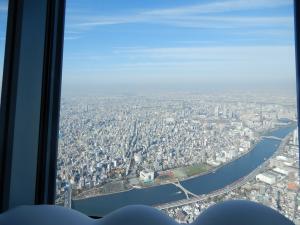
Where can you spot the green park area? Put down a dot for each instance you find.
(183, 172)
(189, 171)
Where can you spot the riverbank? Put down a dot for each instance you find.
(165, 177)
(201, 185)
(232, 186)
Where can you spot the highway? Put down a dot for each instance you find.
(186, 192)
(228, 188)
(132, 145)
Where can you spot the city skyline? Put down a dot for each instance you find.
(177, 150)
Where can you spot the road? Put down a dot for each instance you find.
(228, 188)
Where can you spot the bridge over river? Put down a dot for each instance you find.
(186, 192)
(229, 188)
(226, 178)
(272, 137)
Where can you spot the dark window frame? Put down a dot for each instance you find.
(30, 102)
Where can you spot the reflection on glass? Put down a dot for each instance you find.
(3, 19)
(178, 105)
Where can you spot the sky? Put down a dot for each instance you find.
(177, 43)
(3, 18)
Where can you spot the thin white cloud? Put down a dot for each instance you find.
(197, 15)
(196, 61)
(221, 6)
(229, 62)
(102, 21)
(266, 34)
(212, 22)
(208, 63)
(223, 22)
(72, 37)
(226, 52)
(71, 32)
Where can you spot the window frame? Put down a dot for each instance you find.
(30, 100)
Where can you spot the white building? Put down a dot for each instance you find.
(266, 178)
(138, 157)
(281, 158)
(295, 137)
(147, 176)
(281, 171)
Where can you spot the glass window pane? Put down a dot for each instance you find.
(178, 105)
(3, 19)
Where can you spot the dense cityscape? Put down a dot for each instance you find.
(277, 187)
(109, 144)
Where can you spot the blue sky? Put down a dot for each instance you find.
(3, 17)
(175, 42)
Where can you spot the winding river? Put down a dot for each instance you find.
(225, 175)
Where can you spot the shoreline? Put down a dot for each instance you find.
(232, 186)
(213, 170)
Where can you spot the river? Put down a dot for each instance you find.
(231, 172)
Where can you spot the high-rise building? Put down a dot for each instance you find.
(295, 137)
(68, 196)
